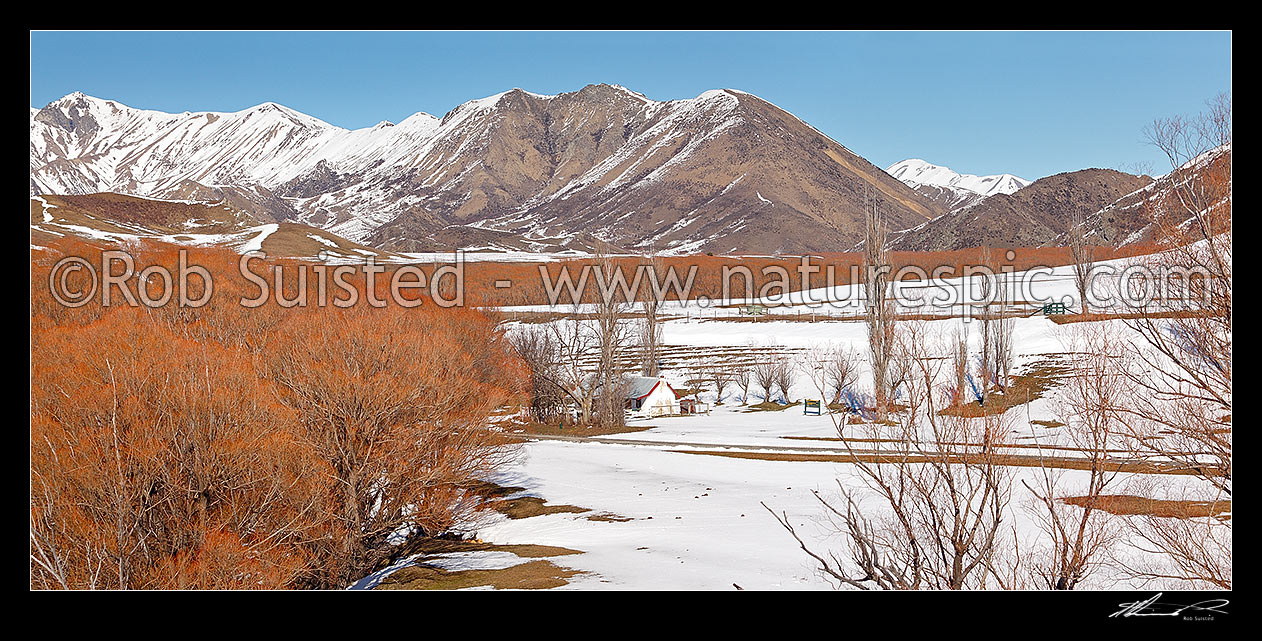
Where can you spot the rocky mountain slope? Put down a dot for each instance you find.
(722, 172)
(115, 220)
(1035, 215)
(1133, 218)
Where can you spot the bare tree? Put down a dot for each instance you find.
(765, 373)
(959, 365)
(612, 337)
(831, 373)
(742, 375)
(987, 288)
(541, 353)
(651, 326)
(1194, 551)
(880, 313)
(573, 344)
(1082, 255)
(1181, 410)
(1001, 326)
(698, 376)
(785, 370)
(1183, 360)
(944, 494)
(997, 325)
(839, 372)
(1080, 534)
(722, 376)
(560, 356)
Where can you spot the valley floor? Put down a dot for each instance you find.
(658, 511)
(680, 505)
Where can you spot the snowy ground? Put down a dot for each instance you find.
(697, 521)
(706, 531)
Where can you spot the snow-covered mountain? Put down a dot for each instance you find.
(725, 171)
(1034, 216)
(952, 190)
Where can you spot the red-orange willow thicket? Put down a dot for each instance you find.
(709, 279)
(225, 447)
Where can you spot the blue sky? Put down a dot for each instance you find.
(1032, 104)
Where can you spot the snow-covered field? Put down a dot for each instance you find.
(696, 521)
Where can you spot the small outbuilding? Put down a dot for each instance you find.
(649, 396)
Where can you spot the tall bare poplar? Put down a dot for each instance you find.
(997, 325)
(1082, 255)
(651, 327)
(612, 337)
(879, 311)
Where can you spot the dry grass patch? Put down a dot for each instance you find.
(1028, 446)
(609, 518)
(111, 212)
(523, 507)
(1127, 505)
(1065, 319)
(293, 239)
(1037, 379)
(429, 547)
(530, 506)
(532, 575)
(769, 406)
(1009, 460)
(549, 429)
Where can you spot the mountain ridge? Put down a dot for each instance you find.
(951, 189)
(720, 172)
(1035, 215)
